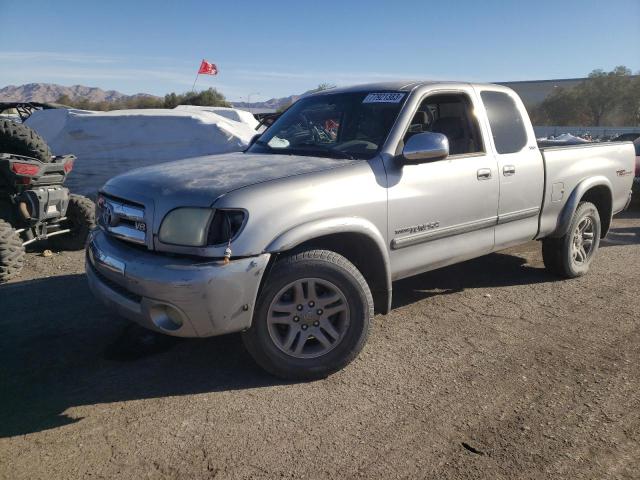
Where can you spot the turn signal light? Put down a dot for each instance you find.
(25, 169)
(225, 225)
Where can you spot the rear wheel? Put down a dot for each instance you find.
(312, 317)
(11, 252)
(21, 140)
(81, 218)
(571, 255)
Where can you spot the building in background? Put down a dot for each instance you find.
(533, 92)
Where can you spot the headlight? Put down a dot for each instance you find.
(186, 226)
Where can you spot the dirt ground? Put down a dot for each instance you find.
(489, 369)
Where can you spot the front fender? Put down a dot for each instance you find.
(330, 226)
(564, 219)
(327, 226)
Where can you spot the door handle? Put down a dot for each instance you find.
(484, 174)
(509, 170)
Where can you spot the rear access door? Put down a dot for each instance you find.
(520, 167)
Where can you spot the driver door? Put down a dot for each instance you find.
(444, 211)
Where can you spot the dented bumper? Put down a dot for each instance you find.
(174, 295)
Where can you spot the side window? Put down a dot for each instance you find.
(452, 115)
(507, 127)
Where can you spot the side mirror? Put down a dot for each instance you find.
(425, 147)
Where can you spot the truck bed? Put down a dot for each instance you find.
(568, 165)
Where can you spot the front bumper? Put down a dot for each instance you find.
(174, 295)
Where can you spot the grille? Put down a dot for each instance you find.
(122, 220)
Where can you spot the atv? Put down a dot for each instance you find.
(34, 204)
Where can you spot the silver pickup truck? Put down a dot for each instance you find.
(298, 240)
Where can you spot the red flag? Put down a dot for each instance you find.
(207, 68)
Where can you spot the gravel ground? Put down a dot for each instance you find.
(489, 369)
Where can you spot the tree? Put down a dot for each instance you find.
(562, 107)
(209, 98)
(171, 100)
(603, 91)
(611, 98)
(64, 100)
(323, 86)
(631, 102)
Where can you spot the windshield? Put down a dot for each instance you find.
(339, 125)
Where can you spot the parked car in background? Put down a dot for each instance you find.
(296, 241)
(21, 111)
(626, 137)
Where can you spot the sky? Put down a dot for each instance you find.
(272, 48)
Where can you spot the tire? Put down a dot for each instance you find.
(339, 288)
(19, 139)
(81, 218)
(562, 256)
(11, 252)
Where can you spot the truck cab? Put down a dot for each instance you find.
(486, 193)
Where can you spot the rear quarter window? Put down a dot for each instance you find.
(507, 126)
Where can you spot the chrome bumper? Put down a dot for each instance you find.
(173, 295)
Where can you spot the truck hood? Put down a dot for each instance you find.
(200, 181)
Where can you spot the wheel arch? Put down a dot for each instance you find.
(596, 190)
(356, 239)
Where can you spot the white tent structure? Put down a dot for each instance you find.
(109, 143)
(231, 113)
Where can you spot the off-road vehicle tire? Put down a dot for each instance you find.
(11, 252)
(312, 316)
(81, 218)
(19, 139)
(571, 255)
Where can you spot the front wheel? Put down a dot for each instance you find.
(312, 317)
(571, 255)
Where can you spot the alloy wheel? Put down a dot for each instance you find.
(308, 318)
(582, 241)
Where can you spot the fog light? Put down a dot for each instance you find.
(166, 317)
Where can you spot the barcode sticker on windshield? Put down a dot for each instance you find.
(383, 98)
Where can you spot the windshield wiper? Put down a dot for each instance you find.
(340, 152)
(315, 148)
(328, 149)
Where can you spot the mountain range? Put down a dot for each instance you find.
(51, 92)
(272, 104)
